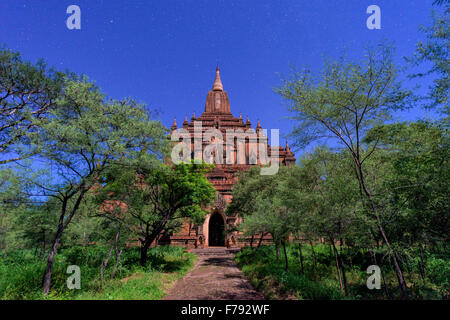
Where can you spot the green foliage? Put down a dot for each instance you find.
(318, 282)
(381, 198)
(438, 271)
(150, 200)
(320, 198)
(345, 99)
(82, 137)
(361, 190)
(269, 275)
(416, 185)
(27, 93)
(21, 274)
(86, 133)
(77, 134)
(10, 205)
(434, 52)
(384, 191)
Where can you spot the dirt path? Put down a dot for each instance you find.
(214, 276)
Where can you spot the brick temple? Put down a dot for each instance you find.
(218, 229)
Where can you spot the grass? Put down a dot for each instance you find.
(21, 274)
(269, 276)
(267, 273)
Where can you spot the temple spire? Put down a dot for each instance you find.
(288, 149)
(217, 99)
(247, 123)
(174, 125)
(217, 82)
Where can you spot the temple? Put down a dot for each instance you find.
(218, 229)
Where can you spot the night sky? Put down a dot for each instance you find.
(164, 53)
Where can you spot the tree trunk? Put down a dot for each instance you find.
(157, 240)
(105, 264)
(338, 268)
(398, 270)
(313, 254)
(285, 256)
(277, 251)
(148, 240)
(144, 250)
(301, 257)
(261, 239)
(344, 276)
(118, 253)
(251, 241)
(61, 226)
(423, 272)
(51, 257)
(196, 238)
(386, 289)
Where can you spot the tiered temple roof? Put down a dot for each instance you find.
(217, 114)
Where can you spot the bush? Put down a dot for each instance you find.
(269, 276)
(438, 271)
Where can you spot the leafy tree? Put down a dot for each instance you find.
(416, 185)
(440, 2)
(35, 225)
(82, 137)
(153, 198)
(27, 93)
(321, 195)
(264, 203)
(11, 203)
(246, 201)
(344, 104)
(435, 52)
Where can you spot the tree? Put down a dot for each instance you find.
(321, 197)
(27, 93)
(246, 201)
(435, 51)
(349, 99)
(154, 197)
(84, 135)
(35, 225)
(256, 198)
(11, 203)
(416, 185)
(440, 2)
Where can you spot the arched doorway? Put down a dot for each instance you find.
(216, 236)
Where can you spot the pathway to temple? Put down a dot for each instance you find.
(214, 277)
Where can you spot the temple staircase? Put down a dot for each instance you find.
(214, 251)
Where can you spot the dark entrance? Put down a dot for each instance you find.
(216, 230)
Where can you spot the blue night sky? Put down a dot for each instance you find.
(164, 53)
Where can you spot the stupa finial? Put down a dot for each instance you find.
(217, 82)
